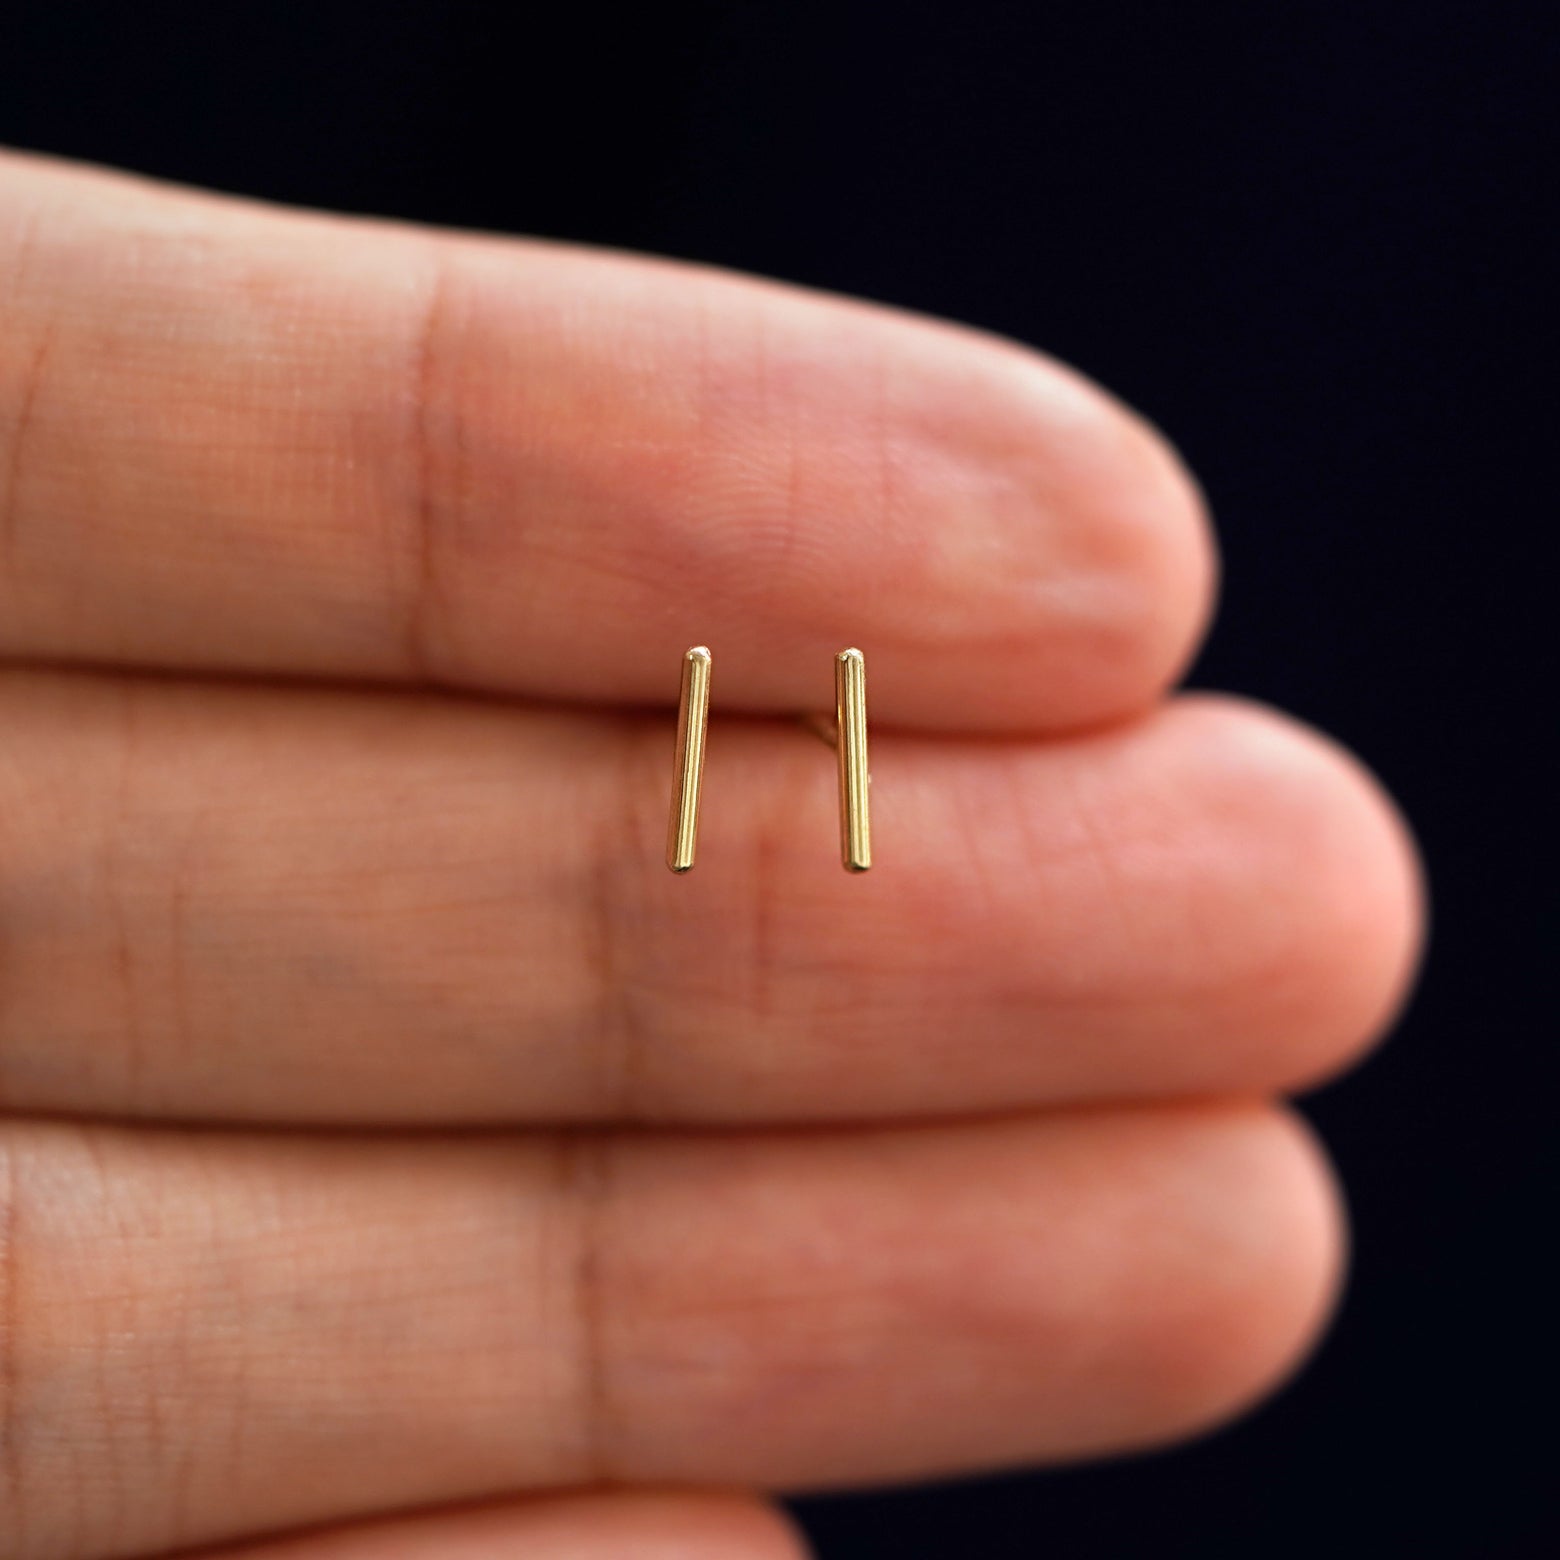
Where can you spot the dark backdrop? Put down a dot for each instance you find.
(1313, 241)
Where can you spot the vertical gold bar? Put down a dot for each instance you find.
(850, 712)
(693, 709)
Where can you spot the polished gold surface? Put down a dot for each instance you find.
(682, 830)
(850, 705)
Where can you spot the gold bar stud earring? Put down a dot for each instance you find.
(850, 714)
(693, 711)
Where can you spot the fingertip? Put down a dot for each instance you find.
(1268, 1238)
(1077, 591)
(1345, 902)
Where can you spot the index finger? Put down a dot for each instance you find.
(237, 439)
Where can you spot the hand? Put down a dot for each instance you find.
(386, 1129)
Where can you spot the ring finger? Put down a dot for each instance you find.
(209, 1335)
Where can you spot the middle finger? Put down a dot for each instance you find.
(245, 903)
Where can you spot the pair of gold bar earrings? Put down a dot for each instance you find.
(850, 740)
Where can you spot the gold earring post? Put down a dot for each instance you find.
(693, 710)
(850, 707)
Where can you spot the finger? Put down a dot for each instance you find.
(210, 1334)
(630, 1526)
(234, 438)
(248, 904)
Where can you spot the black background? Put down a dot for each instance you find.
(1312, 241)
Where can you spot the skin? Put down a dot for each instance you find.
(395, 1159)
